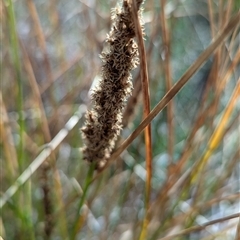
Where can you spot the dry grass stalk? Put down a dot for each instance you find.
(212, 24)
(233, 23)
(7, 141)
(202, 227)
(36, 93)
(168, 78)
(42, 157)
(134, 100)
(46, 167)
(146, 102)
(219, 131)
(103, 122)
(181, 209)
(40, 37)
(202, 116)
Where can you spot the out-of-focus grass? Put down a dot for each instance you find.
(50, 58)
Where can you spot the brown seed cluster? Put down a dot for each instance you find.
(104, 121)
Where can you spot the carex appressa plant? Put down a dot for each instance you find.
(104, 121)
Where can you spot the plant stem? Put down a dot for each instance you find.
(16, 63)
(82, 200)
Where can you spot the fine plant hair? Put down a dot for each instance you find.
(104, 121)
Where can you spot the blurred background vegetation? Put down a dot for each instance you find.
(49, 60)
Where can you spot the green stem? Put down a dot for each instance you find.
(16, 63)
(27, 225)
(88, 182)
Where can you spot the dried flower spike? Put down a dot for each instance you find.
(104, 121)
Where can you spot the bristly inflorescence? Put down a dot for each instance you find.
(104, 121)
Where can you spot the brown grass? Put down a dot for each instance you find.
(185, 167)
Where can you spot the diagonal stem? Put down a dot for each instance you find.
(233, 23)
